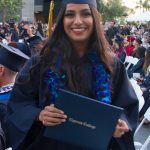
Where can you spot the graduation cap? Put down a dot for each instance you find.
(119, 39)
(138, 39)
(12, 58)
(22, 47)
(90, 2)
(34, 40)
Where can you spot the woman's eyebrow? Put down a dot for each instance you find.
(69, 10)
(82, 10)
(85, 10)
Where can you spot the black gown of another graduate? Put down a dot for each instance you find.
(24, 132)
(137, 68)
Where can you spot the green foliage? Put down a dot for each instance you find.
(143, 5)
(11, 9)
(111, 9)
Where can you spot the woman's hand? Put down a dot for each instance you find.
(51, 116)
(121, 129)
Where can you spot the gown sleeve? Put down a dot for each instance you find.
(125, 97)
(22, 106)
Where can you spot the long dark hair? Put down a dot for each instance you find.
(59, 44)
(147, 61)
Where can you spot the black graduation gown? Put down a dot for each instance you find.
(110, 33)
(146, 95)
(5, 92)
(3, 105)
(29, 98)
(4, 97)
(137, 68)
(122, 57)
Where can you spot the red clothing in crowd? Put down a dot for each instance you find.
(129, 50)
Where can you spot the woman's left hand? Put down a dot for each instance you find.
(121, 129)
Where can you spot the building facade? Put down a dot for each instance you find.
(32, 10)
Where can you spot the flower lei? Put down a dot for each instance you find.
(52, 79)
(102, 90)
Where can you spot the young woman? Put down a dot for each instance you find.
(119, 48)
(146, 65)
(130, 47)
(145, 86)
(138, 67)
(75, 58)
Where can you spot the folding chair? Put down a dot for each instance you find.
(129, 60)
(138, 93)
(138, 145)
(144, 146)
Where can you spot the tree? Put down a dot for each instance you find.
(146, 5)
(143, 5)
(10, 9)
(111, 9)
(139, 5)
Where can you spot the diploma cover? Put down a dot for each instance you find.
(90, 124)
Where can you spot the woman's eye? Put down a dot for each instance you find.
(69, 15)
(86, 14)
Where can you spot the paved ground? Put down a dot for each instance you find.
(143, 133)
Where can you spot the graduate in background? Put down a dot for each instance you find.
(11, 61)
(76, 58)
(145, 84)
(138, 67)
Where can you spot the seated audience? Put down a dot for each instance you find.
(145, 86)
(130, 46)
(137, 43)
(119, 49)
(138, 67)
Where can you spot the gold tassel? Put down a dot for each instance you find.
(50, 18)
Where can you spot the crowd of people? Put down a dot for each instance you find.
(79, 54)
(133, 41)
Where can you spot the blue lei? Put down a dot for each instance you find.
(102, 86)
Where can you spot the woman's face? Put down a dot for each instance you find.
(78, 22)
(116, 45)
(135, 43)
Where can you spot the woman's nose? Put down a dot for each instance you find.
(78, 19)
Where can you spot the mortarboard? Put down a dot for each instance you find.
(119, 39)
(138, 40)
(22, 47)
(34, 40)
(90, 2)
(12, 58)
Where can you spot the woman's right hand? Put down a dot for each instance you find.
(51, 116)
(121, 129)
